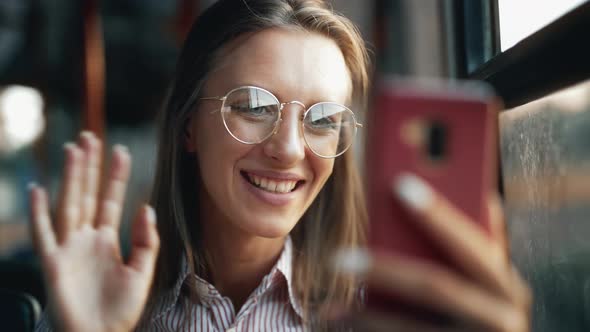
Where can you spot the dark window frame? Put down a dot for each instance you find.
(550, 59)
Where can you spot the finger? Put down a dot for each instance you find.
(434, 287)
(111, 206)
(68, 212)
(498, 224)
(461, 238)
(522, 292)
(41, 230)
(92, 148)
(443, 290)
(145, 242)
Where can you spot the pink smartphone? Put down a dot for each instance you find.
(445, 133)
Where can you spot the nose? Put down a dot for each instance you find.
(287, 145)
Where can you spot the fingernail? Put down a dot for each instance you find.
(121, 148)
(69, 145)
(413, 191)
(150, 214)
(31, 185)
(354, 261)
(86, 133)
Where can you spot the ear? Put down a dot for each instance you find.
(189, 135)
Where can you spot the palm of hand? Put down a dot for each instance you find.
(90, 287)
(93, 291)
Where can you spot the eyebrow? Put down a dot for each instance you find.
(347, 100)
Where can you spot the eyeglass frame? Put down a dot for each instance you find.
(280, 118)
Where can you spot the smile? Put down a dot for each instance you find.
(272, 185)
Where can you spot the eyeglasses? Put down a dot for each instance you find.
(251, 115)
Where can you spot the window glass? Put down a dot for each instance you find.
(521, 18)
(545, 149)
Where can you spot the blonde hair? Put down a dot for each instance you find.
(323, 228)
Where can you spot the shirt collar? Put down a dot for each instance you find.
(283, 269)
(285, 266)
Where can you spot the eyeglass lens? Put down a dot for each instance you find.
(251, 115)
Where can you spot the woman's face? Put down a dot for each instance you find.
(294, 66)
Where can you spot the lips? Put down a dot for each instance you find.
(277, 184)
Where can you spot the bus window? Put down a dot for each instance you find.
(513, 26)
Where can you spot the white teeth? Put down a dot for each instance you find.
(272, 185)
(256, 179)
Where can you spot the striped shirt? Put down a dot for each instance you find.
(271, 307)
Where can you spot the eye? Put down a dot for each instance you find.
(253, 112)
(259, 111)
(328, 119)
(323, 126)
(324, 123)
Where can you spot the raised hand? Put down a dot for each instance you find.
(90, 287)
(487, 294)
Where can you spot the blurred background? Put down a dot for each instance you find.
(105, 66)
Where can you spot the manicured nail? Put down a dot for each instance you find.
(121, 148)
(150, 214)
(69, 145)
(87, 133)
(354, 261)
(31, 185)
(413, 191)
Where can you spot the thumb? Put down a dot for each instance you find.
(145, 242)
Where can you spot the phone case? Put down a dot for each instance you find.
(445, 133)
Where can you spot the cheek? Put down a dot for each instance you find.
(322, 169)
(218, 152)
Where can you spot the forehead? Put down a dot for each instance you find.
(293, 64)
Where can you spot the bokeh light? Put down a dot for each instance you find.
(21, 117)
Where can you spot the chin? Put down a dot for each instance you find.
(269, 227)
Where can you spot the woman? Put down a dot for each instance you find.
(255, 191)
